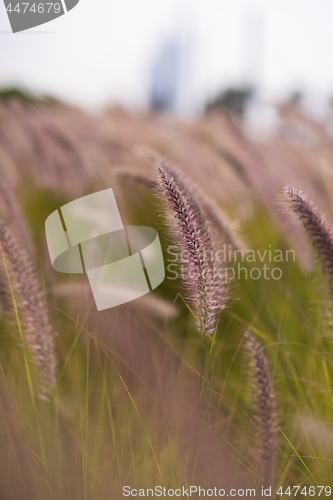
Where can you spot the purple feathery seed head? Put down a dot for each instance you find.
(265, 412)
(204, 290)
(316, 227)
(36, 328)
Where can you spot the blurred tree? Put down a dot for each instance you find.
(234, 100)
(25, 96)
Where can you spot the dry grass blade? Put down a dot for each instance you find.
(265, 412)
(37, 330)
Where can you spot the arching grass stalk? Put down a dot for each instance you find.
(212, 357)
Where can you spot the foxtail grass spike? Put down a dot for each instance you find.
(317, 229)
(265, 412)
(36, 328)
(190, 231)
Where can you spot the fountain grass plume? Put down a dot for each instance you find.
(36, 328)
(316, 227)
(265, 412)
(204, 291)
(220, 227)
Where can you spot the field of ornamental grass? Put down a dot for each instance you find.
(207, 381)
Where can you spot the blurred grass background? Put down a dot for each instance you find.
(124, 411)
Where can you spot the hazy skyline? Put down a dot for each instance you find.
(102, 52)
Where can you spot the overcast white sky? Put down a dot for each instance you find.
(102, 51)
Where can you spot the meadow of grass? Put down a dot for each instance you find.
(94, 401)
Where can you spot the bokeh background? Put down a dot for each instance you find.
(127, 52)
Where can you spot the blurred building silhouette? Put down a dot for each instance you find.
(166, 76)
